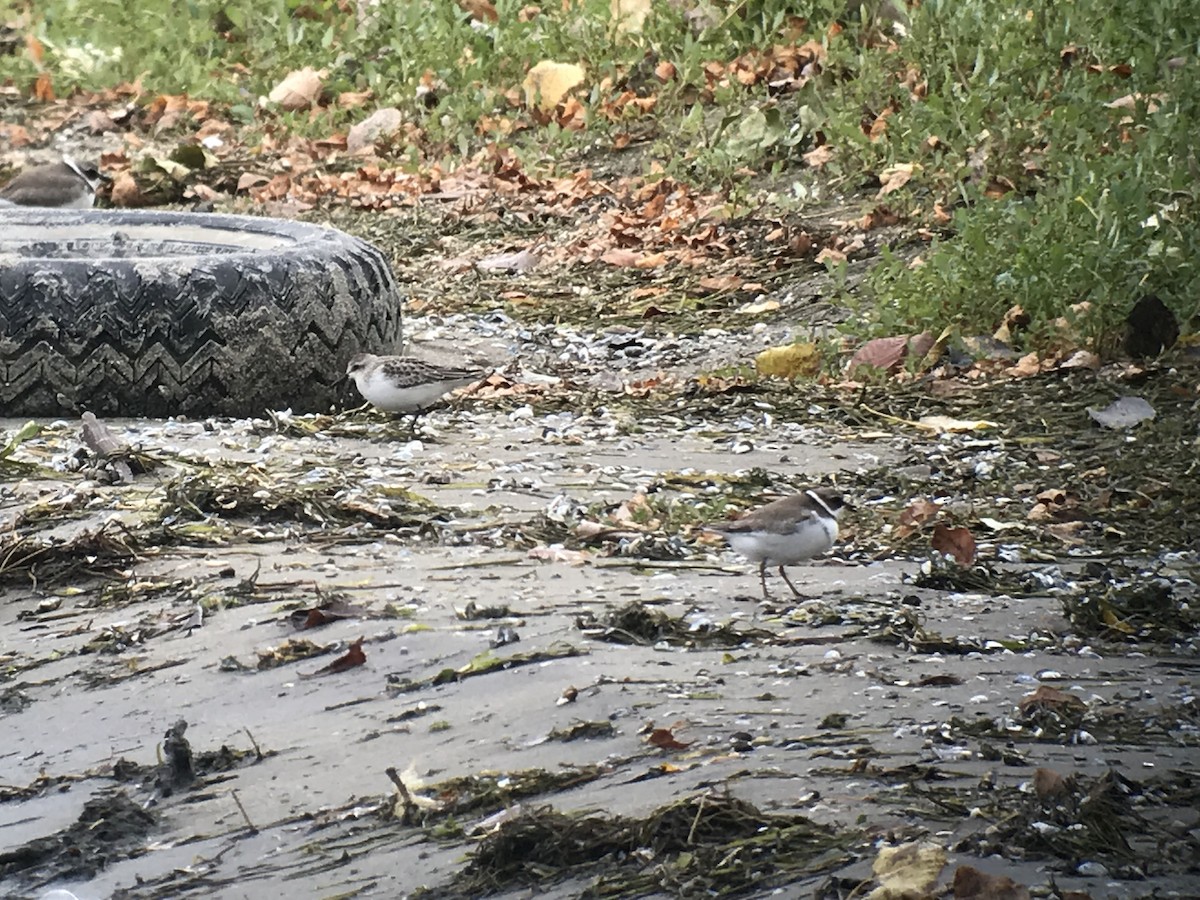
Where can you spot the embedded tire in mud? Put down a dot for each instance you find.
(164, 313)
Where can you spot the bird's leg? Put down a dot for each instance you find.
(412, 425)
(762, 577)
(789, 582)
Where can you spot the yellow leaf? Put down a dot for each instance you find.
(790, 361)
(549, 82)
(629, 15)
(907, 872)
(943, 424)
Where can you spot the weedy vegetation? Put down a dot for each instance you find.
(1039, 156)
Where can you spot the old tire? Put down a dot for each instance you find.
(165, 313)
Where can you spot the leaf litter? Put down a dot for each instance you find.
(1015, 496)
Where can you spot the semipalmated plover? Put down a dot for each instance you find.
(65, 185)
(785, 532)
(404, 384)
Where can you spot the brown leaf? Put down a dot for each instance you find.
(249, 180)
(298, 90)
(125, 192)
(956, 542)
(352, 657)
(884, 354)
(1026, 367)
(43, 88)
(971, 884)
(619, 256)
(916, 515)
(665, 739)
(818, 156)
(519, 262)
(714, 284)
(939, 681)
(1047, 784)
(1052, 699)
(480, 10)
(829, 253)
(894, 178)
(1052, 496)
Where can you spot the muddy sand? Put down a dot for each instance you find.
(643, 671)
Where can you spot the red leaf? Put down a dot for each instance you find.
(353, 657)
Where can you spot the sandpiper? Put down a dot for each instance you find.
(65, 185)
(404, 384)
(785, 532)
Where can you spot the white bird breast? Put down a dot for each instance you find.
(812, 538)
(381, 391)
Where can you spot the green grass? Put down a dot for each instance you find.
(1049, 189)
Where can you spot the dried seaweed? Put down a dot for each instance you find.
(248, 492)
(1144, 603)
(88, 553)
(110, 827)
(705, 845)
(636, 623)
(483, 664)
(1088, 819)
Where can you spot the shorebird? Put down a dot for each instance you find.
(65, 185)
(404, 384)
(785, 532)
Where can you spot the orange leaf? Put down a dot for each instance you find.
(43, 88)
(35, 49)
(662, 737)
(956, 542)
(920, 512)
(480, 10)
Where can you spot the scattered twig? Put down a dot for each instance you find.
(410, 808)
(242, 810)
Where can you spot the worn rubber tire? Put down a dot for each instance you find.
(165, 313)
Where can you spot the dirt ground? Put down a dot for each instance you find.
(900, 701)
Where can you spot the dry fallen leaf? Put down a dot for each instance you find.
(895, 177)
(947, 424)
(548, 83)
(1026, 366)
(666, 740)
(971, 884)
(916, 515)
(298, 90)
(1048, 784)
(1124, 412)
(515, 263)
(1049, 698)
(480, 10)
(379, 124)
(354, 656)
(558, 553)
(629, 15)
(125, 193)
(791, 361)
(957, 543)
(907, 871)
